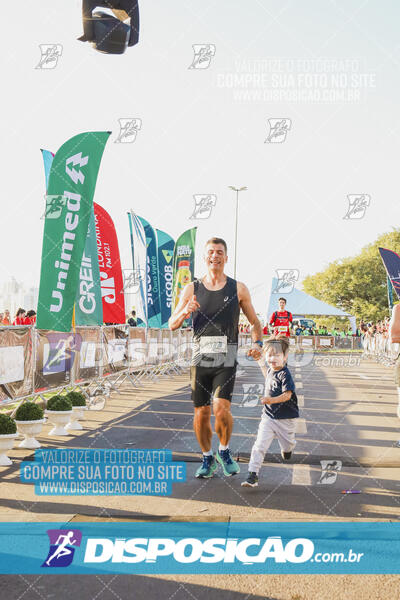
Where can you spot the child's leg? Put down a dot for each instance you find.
(265, 436)
(285, 430)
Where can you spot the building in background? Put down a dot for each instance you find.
(14, 295)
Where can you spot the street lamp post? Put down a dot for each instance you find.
(237, 190)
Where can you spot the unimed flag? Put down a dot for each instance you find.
(69, 202)
(165, 250)
(112, 291)
(183, 262)
(391, 260)
(88, 306)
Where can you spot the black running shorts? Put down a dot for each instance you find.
(207, 382)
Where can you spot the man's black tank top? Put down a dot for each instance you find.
(218, 316)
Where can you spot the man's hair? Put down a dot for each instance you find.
(280, 344)
(133, 313)
(217, 240)
(284, 299)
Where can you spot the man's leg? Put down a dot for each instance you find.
(223, 420)
(201, 396)
(202, 427)
(222, 386)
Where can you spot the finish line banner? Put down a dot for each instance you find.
(208, 548)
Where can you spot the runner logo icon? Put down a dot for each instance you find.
(61, 551)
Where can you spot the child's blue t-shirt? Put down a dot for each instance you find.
(276, 383)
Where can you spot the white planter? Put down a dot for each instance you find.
(29, 429)
(78, 413)
(59, 418)
(6, 443)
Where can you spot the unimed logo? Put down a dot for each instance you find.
(190, 550)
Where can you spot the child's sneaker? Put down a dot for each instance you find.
(251, 481)
(207, 468)
(229, 466)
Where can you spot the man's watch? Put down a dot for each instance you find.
(259, 342)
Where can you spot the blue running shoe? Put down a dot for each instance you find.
(208, 468)
(229, 466)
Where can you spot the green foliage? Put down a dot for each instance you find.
(59, 403)
(7, 425)
(77, 398)
(356, 284)
(29, 411)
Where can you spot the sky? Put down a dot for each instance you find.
(327, 68)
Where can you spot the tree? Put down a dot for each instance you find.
(357, 284)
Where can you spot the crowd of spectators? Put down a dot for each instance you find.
(370, 329)
(22, 317)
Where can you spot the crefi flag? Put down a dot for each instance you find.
(69, 203)
(165, 250)
(183, 262)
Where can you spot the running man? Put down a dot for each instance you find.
(281, 319)
(215, 301)
(62, 549)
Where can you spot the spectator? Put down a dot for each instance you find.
(132, 319)
(6, 317)
(30, 318)
(19, 317)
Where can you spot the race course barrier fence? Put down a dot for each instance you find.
(380, 348)
(97, 360)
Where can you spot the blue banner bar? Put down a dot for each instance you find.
(208, 548)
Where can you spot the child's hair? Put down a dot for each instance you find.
(279, 344)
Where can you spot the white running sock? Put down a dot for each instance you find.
(222, 447)
(208, 453)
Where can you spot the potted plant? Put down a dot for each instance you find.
(8, 433)
(29, 420)
(78, 402)
(59, 411)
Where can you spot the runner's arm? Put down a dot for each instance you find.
(186, 305)
(248, 309)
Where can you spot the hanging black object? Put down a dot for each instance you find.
(108, 34)
(111, 35)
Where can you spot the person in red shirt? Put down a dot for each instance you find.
(281, 320)
(30, 318)
(19, 317)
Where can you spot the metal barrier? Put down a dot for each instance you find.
(380, 348)
(95, 360)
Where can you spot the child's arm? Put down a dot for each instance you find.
(276, 399)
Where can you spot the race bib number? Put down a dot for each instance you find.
(214, 344)
(281, 328)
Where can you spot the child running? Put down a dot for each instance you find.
(280, 408)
